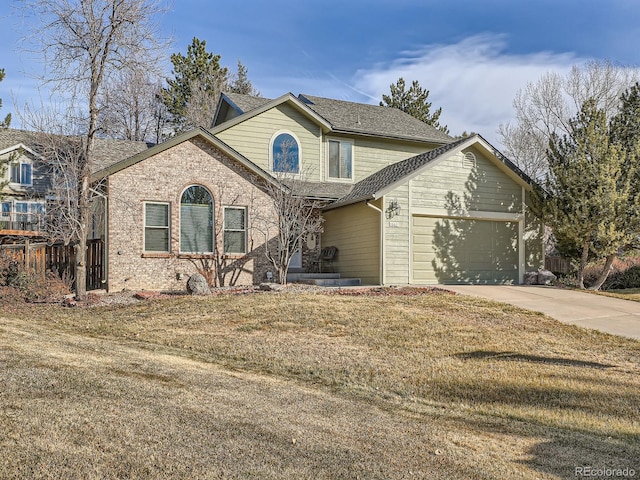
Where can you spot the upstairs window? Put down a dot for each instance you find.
(21, 173)
(340, 159)
(286, 154)
(196, 220)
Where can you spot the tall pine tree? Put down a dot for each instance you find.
(589, 190)
(414, 102)
(192, 93)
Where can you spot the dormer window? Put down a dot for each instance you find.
(285, 153)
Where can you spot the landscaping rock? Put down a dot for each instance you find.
(197, 285)
(545, 277)
(531, 278)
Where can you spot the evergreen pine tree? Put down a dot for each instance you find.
(414, 102)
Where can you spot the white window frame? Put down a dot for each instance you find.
(20, 165)
(272, 160)
(144, 226)
(225, 229)
(212, 226)
(328, 160)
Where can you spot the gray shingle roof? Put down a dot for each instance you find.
(321, 190)
(358, 118)
(106, 151)
(373, 120)
(246, 102)
(368, 187)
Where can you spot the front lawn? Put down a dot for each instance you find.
(438, 385)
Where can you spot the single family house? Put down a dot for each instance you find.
(403, 202)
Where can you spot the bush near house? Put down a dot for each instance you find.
(18, 284)
(625, 273)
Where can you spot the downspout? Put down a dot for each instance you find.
(381, 239)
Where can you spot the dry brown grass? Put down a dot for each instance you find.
(625, 294)
(437, 385)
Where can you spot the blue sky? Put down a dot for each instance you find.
(473, 56)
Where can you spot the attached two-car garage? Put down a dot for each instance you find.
(463, 250)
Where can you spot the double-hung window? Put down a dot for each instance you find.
(156, 227)
(340, 159)
(21, 173)
(235, 230)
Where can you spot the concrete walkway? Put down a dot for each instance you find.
(610, 315)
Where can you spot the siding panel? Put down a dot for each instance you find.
(355, 230)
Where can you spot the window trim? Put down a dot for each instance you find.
(328, 160)
(144, 227)
(213, 224)
(272, 160)
(20, 166)
(245, 230)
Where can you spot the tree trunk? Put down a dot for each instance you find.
(608, 265)
(84, 216)
(583, 262)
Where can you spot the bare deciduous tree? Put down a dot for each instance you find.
(82, 43)
(130, 108)
(297, 211)
(297, 216)
(543, 108)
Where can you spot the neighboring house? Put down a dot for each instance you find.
(29, 175)
(25, 180)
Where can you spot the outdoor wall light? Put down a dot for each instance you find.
(393, 209)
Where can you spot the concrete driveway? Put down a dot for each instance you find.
(610, 315)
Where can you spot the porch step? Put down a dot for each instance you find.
(335, 282)
(301, 276)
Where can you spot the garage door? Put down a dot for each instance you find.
(450, 250)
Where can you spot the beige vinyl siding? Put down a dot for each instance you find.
(455, 251)
(454, 186)
(396, 234)
(355, 230)
(533, 239)
(371, 155)
(252, 138)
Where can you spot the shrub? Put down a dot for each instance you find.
(20, 285)
(625, 273)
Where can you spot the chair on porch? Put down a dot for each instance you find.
(323, 259)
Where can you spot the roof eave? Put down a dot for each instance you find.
(390, 137)
(351, 201)
(286, 98)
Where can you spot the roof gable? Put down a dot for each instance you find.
(382, 181)
(161, 147)
(264, 106)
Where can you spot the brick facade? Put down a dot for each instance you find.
(163, 178)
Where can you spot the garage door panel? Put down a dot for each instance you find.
(450, 250)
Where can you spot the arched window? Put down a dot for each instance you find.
(196, 220)
(286, 154)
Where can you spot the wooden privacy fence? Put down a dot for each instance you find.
(59, 259)
(557, 264)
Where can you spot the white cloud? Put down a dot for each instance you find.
(474, 81)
